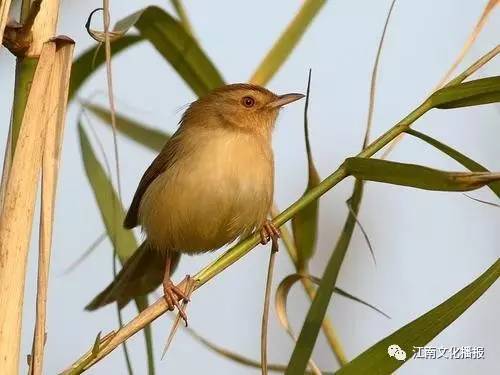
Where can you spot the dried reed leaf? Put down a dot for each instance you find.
(470, 41)
(373, 82)
(17, 213)
(466, 47)
(56, 100)
(120, 29)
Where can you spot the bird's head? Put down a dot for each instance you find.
(240, 106)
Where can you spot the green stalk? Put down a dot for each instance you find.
(25, 70)
(327, 326)
(328, 329)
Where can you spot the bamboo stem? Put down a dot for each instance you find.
(242, 248)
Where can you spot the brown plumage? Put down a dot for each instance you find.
(211, 184)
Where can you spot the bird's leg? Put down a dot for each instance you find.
(269, 232)
(172, 293)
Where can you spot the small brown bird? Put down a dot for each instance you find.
(211, 184)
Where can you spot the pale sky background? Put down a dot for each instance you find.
(428, 245)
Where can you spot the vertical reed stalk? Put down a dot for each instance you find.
(50, 166)
(32, 114)
(17, 214)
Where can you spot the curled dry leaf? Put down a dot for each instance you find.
(118, 31)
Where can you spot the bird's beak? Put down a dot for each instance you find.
(282, 100)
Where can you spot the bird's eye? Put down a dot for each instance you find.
(248, 101)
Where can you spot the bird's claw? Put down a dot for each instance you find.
(269, 232)
(173, 295)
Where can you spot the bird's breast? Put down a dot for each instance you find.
(219, 188)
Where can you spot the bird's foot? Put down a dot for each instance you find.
(173, 294)
(269, 232)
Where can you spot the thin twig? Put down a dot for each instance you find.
(109, 76)
(86, 253)
(482, 201)
(267, 300)
(373, 83)
(365, 235)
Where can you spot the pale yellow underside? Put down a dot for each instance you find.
(210, 197)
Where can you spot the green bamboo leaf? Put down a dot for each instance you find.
(471, 93)
(416, 175)
(419, 332)
(112, 214)
(458, 156)
(179, 48)
(93, 58)
(143, 134)
(317, 310)
(286, 42)
(305, 223)
(110, 208)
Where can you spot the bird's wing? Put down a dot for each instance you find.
(165, 158)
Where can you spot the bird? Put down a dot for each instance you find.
(211, 184)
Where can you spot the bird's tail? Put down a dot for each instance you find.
(141, 274)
